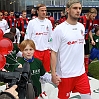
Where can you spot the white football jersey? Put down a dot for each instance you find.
(68, 42)
(4, 25)
(40, 32)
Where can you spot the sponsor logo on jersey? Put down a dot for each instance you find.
(71, 42)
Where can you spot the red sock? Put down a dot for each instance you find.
(86, 60)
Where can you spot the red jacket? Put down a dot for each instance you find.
(62, 19)
(21, 25)
(6, 18)
(12, 21)
(52, 20)
(83, 20)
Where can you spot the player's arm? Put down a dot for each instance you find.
(55, 79)
(53, 62)
(91, 37)
(29, 30)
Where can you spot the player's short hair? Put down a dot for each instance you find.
(96, 29)
(71, 2)
(40, 5)
(23, 11)
(93, 10)
(25, 43)
(11, 10)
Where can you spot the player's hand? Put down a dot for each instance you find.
(92, 42)
(22, 32)
(20, 66)
(56, 79)
(13, 91)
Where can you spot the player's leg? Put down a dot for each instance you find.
(65, 87)
(86, 59)
(83, 87)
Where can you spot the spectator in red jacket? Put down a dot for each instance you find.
(5, 16)
(11, 19)
(63, 17)
(22, 24)
(87, 20)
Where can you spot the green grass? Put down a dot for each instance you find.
(94, 68)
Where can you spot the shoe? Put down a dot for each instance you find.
(96, 90)
(89, 74)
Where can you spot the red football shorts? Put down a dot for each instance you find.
(44, 56)
(75, 84)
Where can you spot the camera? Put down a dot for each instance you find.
(22, 78)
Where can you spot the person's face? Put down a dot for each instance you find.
(62, 14)
(74, 11)
(5, 13)
(1, 16)
(11, 13)
(24, 14)
(42, 12)
(32, 11)
(93, 16)
(28, 52)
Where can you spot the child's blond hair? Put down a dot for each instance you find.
(25, 43)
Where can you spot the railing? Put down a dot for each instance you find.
(61, 2)
(91, 3)
(18, 5)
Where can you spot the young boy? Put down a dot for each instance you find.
(95, 49)
(27, 48)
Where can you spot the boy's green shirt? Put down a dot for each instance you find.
(37, 70)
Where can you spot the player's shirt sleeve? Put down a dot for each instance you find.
(29, 30)
(50, 32)
(18, 35)
(6, 26)
(56, 39)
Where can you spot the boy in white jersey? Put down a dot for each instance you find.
(3, 23)
(39, 30)
(67, 55)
